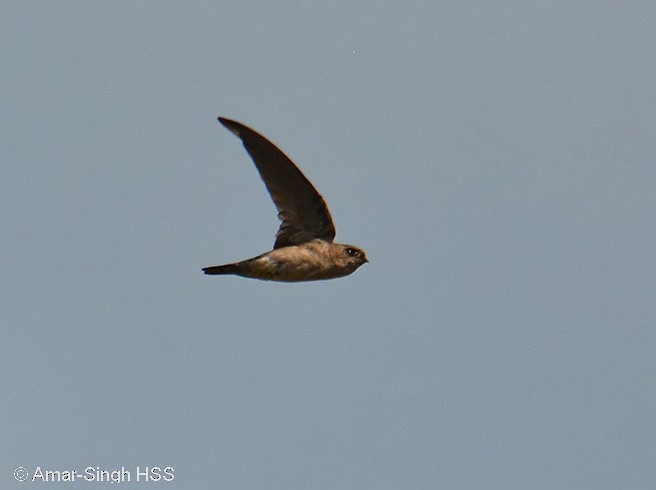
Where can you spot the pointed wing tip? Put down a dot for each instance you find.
(233, 126)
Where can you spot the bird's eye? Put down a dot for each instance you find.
(352, 252)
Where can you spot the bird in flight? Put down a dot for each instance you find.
(304, 248)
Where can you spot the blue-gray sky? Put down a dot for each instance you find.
(496, 160)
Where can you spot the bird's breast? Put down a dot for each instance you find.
(306, 262)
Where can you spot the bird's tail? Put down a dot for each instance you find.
(222, 269)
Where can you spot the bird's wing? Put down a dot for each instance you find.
(301, 208)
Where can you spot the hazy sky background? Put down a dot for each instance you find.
(496, 160)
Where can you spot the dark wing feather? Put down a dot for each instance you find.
(301, 208)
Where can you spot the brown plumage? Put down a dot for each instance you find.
(304, 248)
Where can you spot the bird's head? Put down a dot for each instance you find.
(354, 256)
